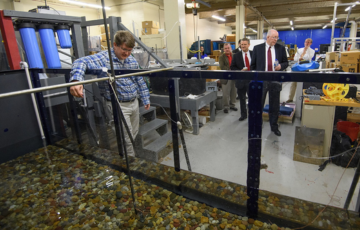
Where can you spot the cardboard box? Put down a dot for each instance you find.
(103, 37)
(104, 45)
(331, 56)
(230, 37)
(149, 31)
(349, 57)
(150, 24)
(102, 29)
(216, 52)
(351, 68)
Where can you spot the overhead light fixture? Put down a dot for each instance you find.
(291, 22)
(292, 28)
(219, 18)
(324, 26)
(253, 30)
(348, 8)
(333, 20)
(85, 4)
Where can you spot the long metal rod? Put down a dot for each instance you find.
(352, 187)
(35, 105)
(122, 133)
(65, 85)
(144, 46)
(332, 45)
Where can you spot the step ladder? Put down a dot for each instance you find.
(153, 136)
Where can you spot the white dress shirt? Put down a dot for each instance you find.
(308, 55)
(273, 57)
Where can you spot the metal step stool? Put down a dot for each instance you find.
(153, 136)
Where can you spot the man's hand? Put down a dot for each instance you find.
(278, 67)
(77, 91)
(147, 107)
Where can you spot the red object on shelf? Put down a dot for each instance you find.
(349, 128)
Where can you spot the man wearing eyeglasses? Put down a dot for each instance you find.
(302, 54)
(271, 56)
(128, 89)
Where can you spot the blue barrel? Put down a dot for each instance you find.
(64, 36)
(47, 37)
(28, 37)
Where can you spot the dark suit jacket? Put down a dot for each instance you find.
(236, 50)
(258, 59)
(237, 63)
(224, 65)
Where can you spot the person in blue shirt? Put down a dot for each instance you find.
(203, 54)
(128, 89)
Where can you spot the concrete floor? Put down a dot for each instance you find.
(220, 151)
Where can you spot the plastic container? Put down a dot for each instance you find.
(63, 32)
(31, 47)
(349, 128)
(47, 37)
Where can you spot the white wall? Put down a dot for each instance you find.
(205, 29)
(6, 5)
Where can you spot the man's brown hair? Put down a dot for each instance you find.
(124, 37)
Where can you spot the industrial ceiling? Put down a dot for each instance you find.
(305, 14)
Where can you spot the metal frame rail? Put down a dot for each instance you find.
(332, 45)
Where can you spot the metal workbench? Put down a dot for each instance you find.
(190, 104)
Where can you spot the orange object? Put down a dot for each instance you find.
(349, 128)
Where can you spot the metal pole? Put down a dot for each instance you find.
(199, 54)
(332, 42)
(181, 54)
(254, 149)
(353, 186)
(174, 129)
(35, 105)
(343, 32)
(40, 89)
(114, 108)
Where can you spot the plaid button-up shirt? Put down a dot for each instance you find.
(128, 88)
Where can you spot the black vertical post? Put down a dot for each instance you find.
(44, 115)
(174, 128)
(352, 187)
(254, 149)
(117, 123)
(73, 112)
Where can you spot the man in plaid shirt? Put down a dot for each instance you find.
(128, 89)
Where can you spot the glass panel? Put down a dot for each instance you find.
(83, 183)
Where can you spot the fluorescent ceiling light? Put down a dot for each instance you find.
(291, 22)
(85, 4)
(253, 30)
(348, 8)
(292, 28)
(324, 26)
(219, 18)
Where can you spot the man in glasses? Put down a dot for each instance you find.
(271, 56)
(128, 89)
(302, 54)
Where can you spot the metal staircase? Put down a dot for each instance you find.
(153, 138)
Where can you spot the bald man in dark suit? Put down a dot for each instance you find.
(264, 57)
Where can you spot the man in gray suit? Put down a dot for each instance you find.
(241, 61)
(228, 86)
